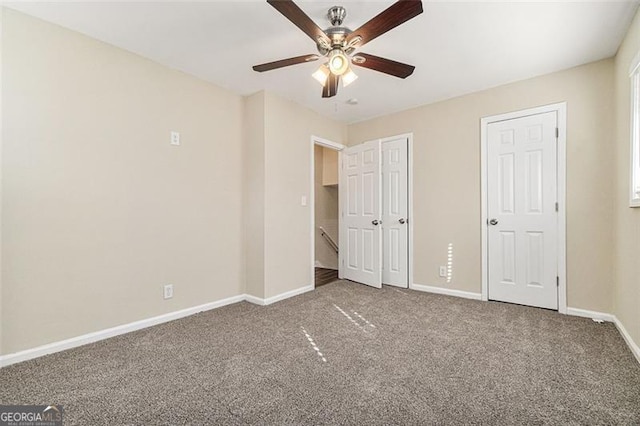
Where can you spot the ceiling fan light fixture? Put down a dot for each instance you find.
(322, 74)
(338, 62)
(348, 77)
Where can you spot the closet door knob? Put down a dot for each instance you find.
(402, 221)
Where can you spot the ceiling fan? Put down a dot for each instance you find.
(338, 43)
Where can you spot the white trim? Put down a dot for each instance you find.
(561, 110)
(483, 211)
(635, 349)
(576, 312)
(74, 342)
(84, 339)
(446, 291)
(316, 140)
(268, 301)
(411, 217)
(634, 120)
(635, 63)
(340, 252)
(254, 299)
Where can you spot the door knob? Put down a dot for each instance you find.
(375, 222)
(402, 221)
(493, 222)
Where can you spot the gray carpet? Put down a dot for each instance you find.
(345, 354)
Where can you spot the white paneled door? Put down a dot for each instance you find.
(522, 210)
(395, 247)
(360, 227)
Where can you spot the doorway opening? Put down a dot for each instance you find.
(325, 160)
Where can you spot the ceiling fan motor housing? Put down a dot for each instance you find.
(337, 33)
(336, 15)
(338, 37)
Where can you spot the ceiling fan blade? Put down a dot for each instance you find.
(292, 12)
(330, 88)
(398, 13)
(285, 63)
(387, 66)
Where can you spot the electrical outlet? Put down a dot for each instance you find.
(168, 291)
(175, 138)
(443, 271)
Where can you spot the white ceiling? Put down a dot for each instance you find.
(457, 47)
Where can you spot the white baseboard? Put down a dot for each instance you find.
(74, 342)
(635, 349)
(84, 339)
(278, 297)
(446, 291)
(254, 299)
(576, 312)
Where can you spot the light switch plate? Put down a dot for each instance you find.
(303, 201)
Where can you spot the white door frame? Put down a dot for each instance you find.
(561, 110)
(315, 140)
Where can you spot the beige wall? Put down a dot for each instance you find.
(288, 174)
(325, 205)
(329, 166)
(447, 177)
(627, 220)
(278, 173)
(1, 133)
(99, 210)
(254, 175)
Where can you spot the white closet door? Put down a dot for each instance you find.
(360, 230)
(395, 230)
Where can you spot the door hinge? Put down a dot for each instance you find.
(557, 206)
(557, 133)
(557, 281)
